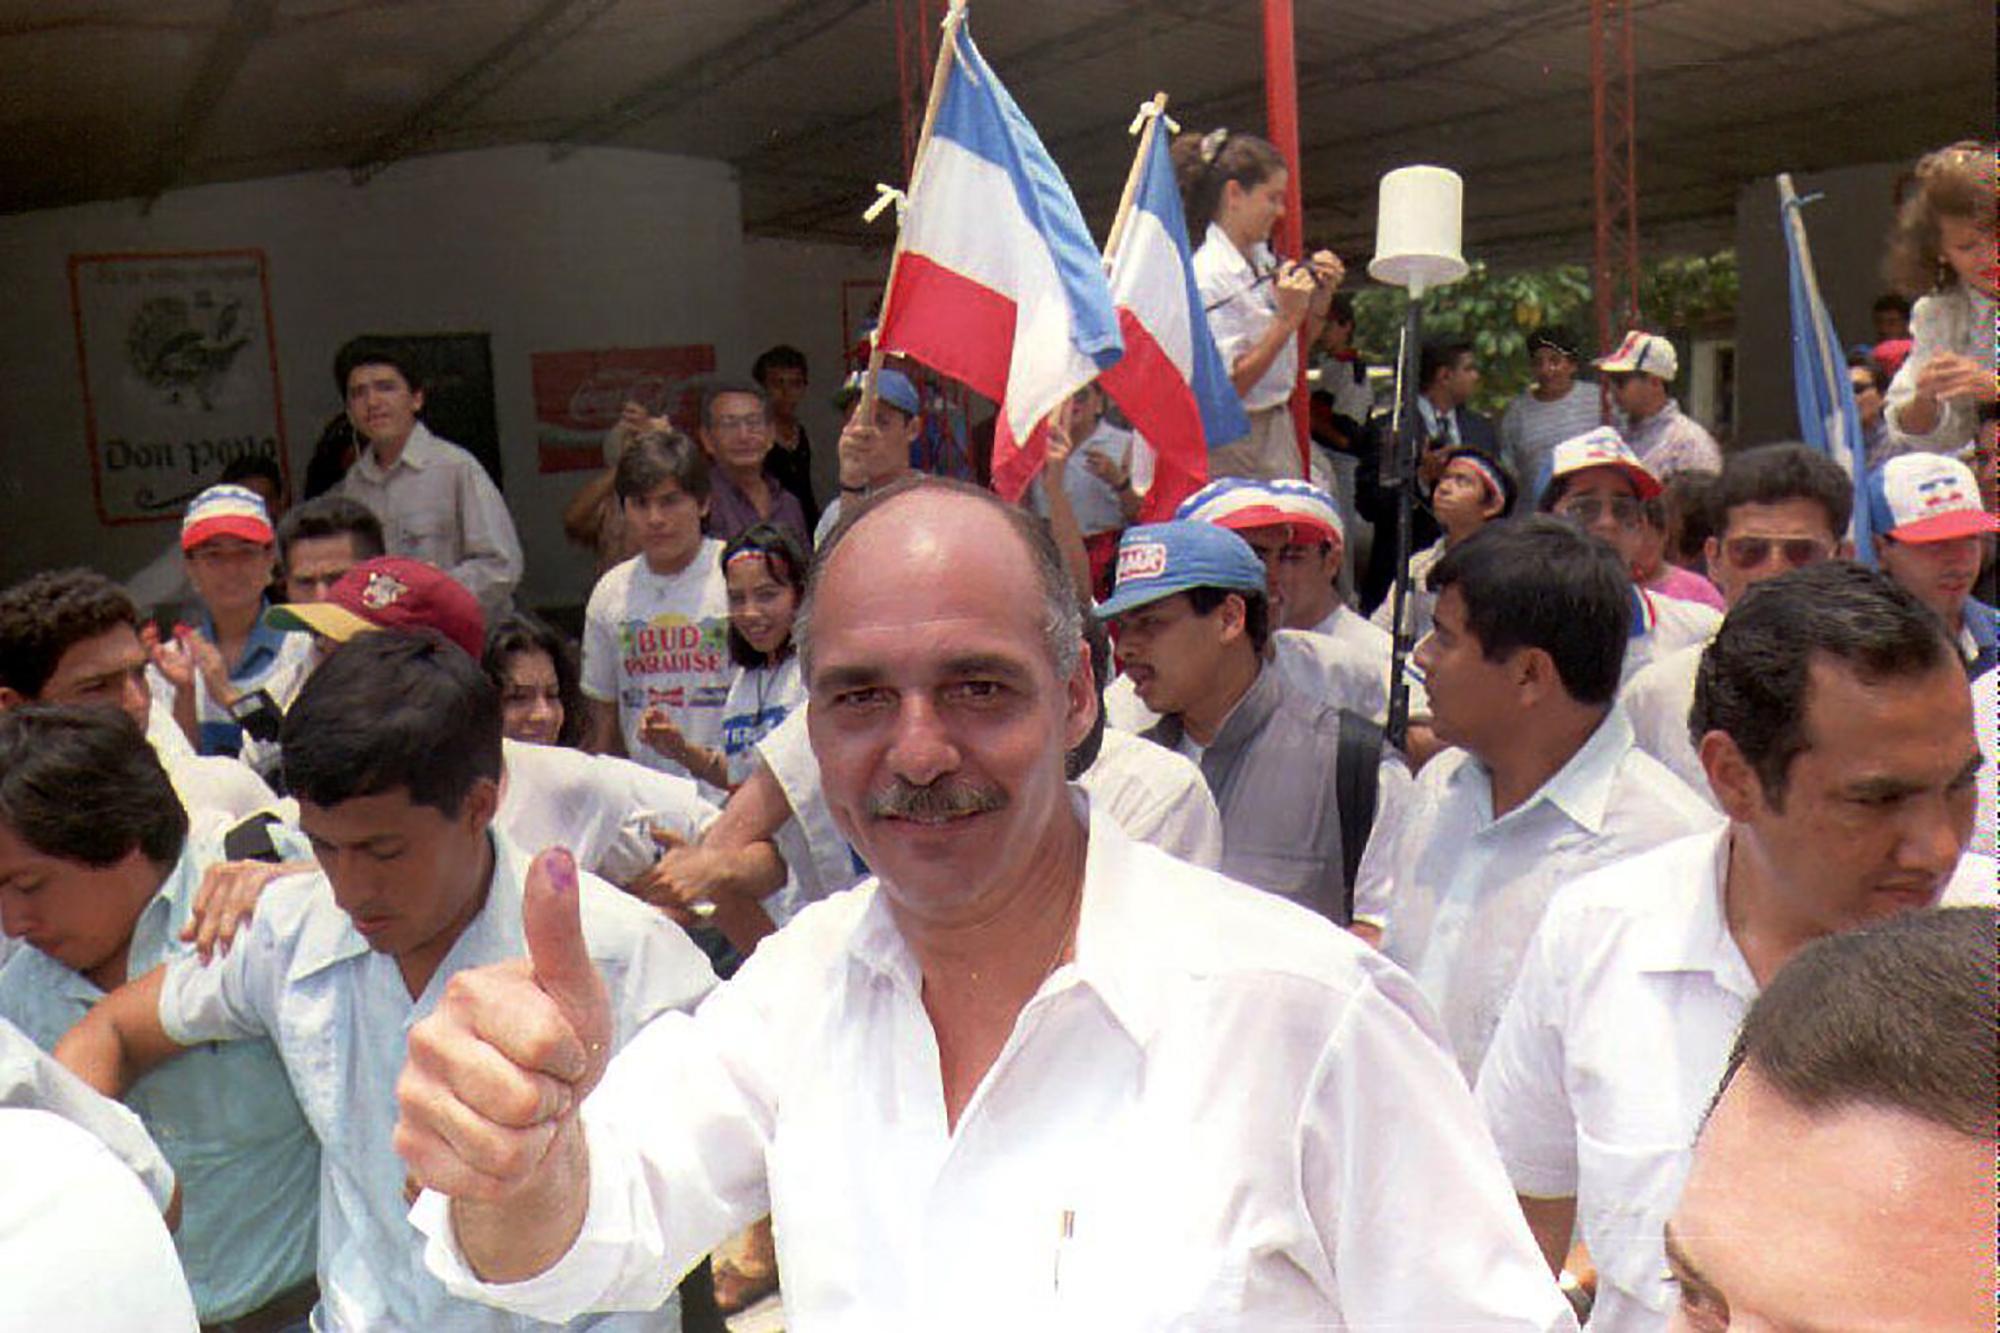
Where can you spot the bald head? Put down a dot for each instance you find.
(929, 527)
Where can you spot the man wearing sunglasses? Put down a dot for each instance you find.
(1599, 484)
(1779, 507)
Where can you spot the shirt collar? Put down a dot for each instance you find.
(1107, 922)
(419, 452)
(1581, 788)
(1694, 935)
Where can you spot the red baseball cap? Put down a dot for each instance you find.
(390, 592)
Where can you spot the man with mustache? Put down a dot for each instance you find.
(1001, 1085)
(1835, 723)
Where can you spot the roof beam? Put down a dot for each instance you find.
(527, 45)
(246, 21)
(764, 39)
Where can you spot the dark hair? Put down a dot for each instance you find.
(1097, 638)
(786, 559)
(1340, 310)
(1953, 182)
(1774, 473)
(1895, 301)
(1543, 583)
(1204, 163)
(369, 350)
(1876, 375)
(1691, 515)
(782, 357)
(525, 632)
(1557, 338)
(388, 711)
(1508, 491)
(1898, 1016)
(1256, 611)
(245, 466)
(45, 615)
(1755, 680)
(654, 457)
(1062, 611)
(722, 388)
(1436, 358)
(83, 784)
(333, 516)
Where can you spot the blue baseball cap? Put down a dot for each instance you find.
(1157, 560)
(891, 386)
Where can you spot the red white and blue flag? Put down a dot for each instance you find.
(1171, 384)
(998, 284)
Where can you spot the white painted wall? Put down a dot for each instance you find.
(605, 248)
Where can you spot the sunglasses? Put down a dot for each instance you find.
(1587, 509)
(1755, 552)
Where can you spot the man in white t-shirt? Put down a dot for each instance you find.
(655, 646)
(1837, 734)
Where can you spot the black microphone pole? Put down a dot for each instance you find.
(1400, 452)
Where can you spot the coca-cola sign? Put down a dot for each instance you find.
(579, 396)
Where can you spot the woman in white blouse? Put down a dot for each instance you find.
(1233, 187)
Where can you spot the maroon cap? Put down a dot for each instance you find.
(391, 592)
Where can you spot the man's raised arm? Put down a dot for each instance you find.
(120, 1039)
(488, 1098)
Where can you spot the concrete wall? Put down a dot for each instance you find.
(606, 248)
(1848, 229)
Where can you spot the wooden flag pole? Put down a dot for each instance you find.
(1152, 113)
(947, 52)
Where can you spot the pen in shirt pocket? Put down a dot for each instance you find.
(1065, 1233)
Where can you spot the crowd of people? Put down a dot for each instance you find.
(951, 912)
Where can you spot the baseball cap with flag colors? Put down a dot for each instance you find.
(1243, 503)
(1603, 447)
(1927, 498)
(1157, 560)
(226, 511)
(390, 592)
(1642, 353)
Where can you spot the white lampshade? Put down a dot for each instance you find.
(1419, 211)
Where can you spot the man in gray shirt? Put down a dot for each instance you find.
(1193, 619)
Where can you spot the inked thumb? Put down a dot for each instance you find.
(552, 922)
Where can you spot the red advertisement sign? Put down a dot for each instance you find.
(578, 396)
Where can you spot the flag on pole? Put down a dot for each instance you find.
(997, 282)
(1828, 420)
(1171, 383)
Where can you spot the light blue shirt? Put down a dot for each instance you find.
(341, 1015)
(224, 1116)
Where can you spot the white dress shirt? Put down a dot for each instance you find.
(1241, 298)
(1609, 1052)
(437, 504)
(1666, 625)
(1658, 699)
(340, 1014)
(1126, 1163)
(1460, 892)
(1361, 640)
(601, 807)
(81, 1245)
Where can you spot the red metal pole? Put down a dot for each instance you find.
(1281, 116)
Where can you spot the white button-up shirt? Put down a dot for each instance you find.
(601, 807)
(1241, 298)
(1609, 1052)
(1658, 699)
(340, 1016)
(31, 1080)
(437, 504)
(1461, 891)
(1224, 1114)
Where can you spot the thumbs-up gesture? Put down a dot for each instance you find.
(489, 1090)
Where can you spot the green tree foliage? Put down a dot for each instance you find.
(1497, 311)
